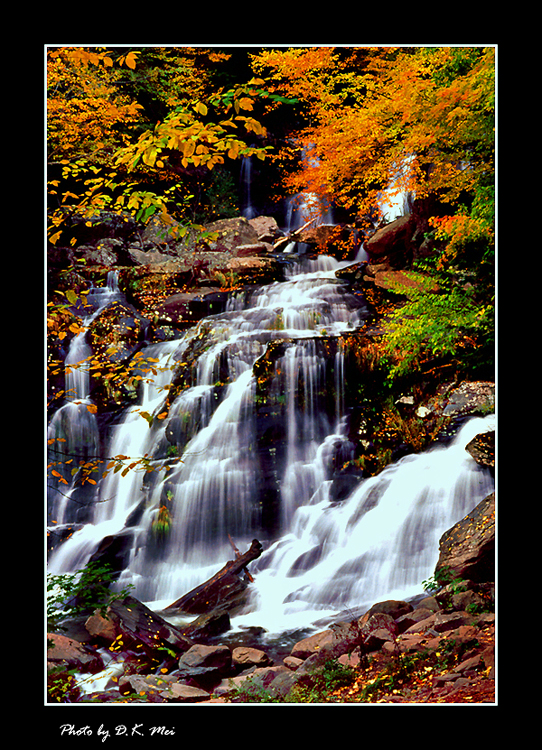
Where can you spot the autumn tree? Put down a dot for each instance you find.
(410, 119)
(107, 154)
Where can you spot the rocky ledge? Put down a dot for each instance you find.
(439, 648)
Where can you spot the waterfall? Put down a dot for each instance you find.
(381, 542)
(73, 430)
(248, 210)
(395, 201)
(247, 421)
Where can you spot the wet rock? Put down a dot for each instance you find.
(390, 244)
(470, 398)
(230, 233)
(186, 308)
(266, 228)
(207, 625)
(243, 657)
(467, 550)
(450, 621)
(64, 652)
(482, 449)
(141, 625)
(216, 657)
(312, 644)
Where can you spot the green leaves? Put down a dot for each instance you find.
(71, 594)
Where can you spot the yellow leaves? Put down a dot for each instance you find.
(129, 60)
(201, 108)
(244, 103)
(252, 125)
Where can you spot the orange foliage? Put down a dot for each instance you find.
(85, 111)
(420, 118)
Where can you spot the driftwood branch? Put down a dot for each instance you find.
(237, 556)
(292, 236)
(223, 588)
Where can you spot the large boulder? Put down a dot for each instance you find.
(391, 244)
(226, 234)
(186, 308)
(205, 666)
(67, 653)
(266, 228)
(470, 397)
(467, 550)
(482, 449)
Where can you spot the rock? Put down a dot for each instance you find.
(230, 234)
(186, 308)
(467, 550)
(254, 250)
(469, 664)
(389, 607)
(470, 398)
(422, 625)
(102, 255)
(276, 681)
(64, 652)
(423, 412)
(207, 626)
(312, 644)
(216, 657)
(244, 656)
(150, 258)
(482, 449)
(445, 621)
(205, 666)
(266, 228)
(292, 662)
(255, 270)
(115, 333)
(390, 244)
(140, 684)
(404, 622)
(377, 628)
(186, 693)
(101, 627)
(430, 603)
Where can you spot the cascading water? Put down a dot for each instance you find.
(248, 210)
(380, 542)
(73, 430)
(213, 463)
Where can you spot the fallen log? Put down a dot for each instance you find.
(224, 591)
(136, 623)
(292, 236)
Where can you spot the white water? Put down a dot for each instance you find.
(380, 542)
(73, 426)
(249, 212)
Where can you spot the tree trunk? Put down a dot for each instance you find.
(292, 236)
(224, 590)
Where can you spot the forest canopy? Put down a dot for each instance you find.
(146, 131)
